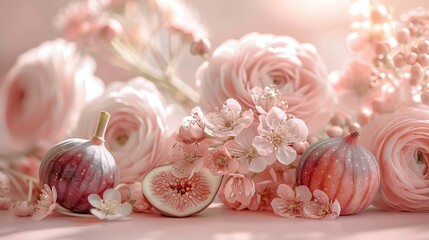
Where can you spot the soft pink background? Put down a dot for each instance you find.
(25, 24)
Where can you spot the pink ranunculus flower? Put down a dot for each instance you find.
(230, 120)
(400, 142)
(43, 94)
(137, 134)
(277, 133)
(262, 60)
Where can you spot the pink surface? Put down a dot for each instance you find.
(217, 223)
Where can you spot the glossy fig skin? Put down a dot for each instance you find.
(343, 170)
(78, 168)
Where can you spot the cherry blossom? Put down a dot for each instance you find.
(230, 120)
(291, 204)
(110, 207)
(188, 158)
(220, 161)
(241, 148)
(46, 203)
(192, 127)
(322, 207)
(267, 98)
(277, 133)
(239, 187)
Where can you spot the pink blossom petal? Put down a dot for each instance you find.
(112, 194)
(297, 129)
(286, 155)
(99, 214)
(247, 118)
(262, 145)
(279, 206)
(312, 209)
(125, 209)
(285, 192)
(263, 128)
(321, 196)
(303, 193)
(257, 165)
(275, 117)
(336, 208)
(94, 200)
(233, 165)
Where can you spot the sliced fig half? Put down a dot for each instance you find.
(180, 197)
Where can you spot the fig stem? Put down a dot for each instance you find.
(101, 127)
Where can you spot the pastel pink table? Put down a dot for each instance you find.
(217, 223)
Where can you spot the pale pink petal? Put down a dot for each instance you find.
(286, 155)
(321, 196)
(303, 193)
(279, 206)
(275, 117)
(263, 128)
(232, 105)
(99, 214)
(112, 194)
(257, 165)
(94, 200)
(233, 165)
(336, 208)
(125, 209)
(297, 130)
(262, 145)
(113, 216)
(312, 209)
(249, 186)
(39, 215)
(247, 118)
(285, 192)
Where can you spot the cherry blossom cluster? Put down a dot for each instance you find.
(390, 66)
(242, 145)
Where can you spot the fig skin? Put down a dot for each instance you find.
(343, 169)
(204, 184)
(79, 167)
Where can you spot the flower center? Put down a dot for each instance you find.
(251, 154)
(109, 206)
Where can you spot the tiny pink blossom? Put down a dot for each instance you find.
(239, 187)
(137, 200)
(5, 203)
(46, 203)
(23, 209)
(277, 133)
(265, 99)
(291, 204)
(192, 127)
(188, 158)
(230, 120)
(322, 207)
(220, 162)
(241, 148)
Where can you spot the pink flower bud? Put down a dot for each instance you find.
(335, 131)
(423, 60)
(423, 46)
(425, 98)
(398, 60)
(200, 47)
(299, 147)
(382, 48)
(403, 35)
(411, 58)
(110, 29)
(379, 13)
(354, 127)
(338, 120)
(416, 73)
